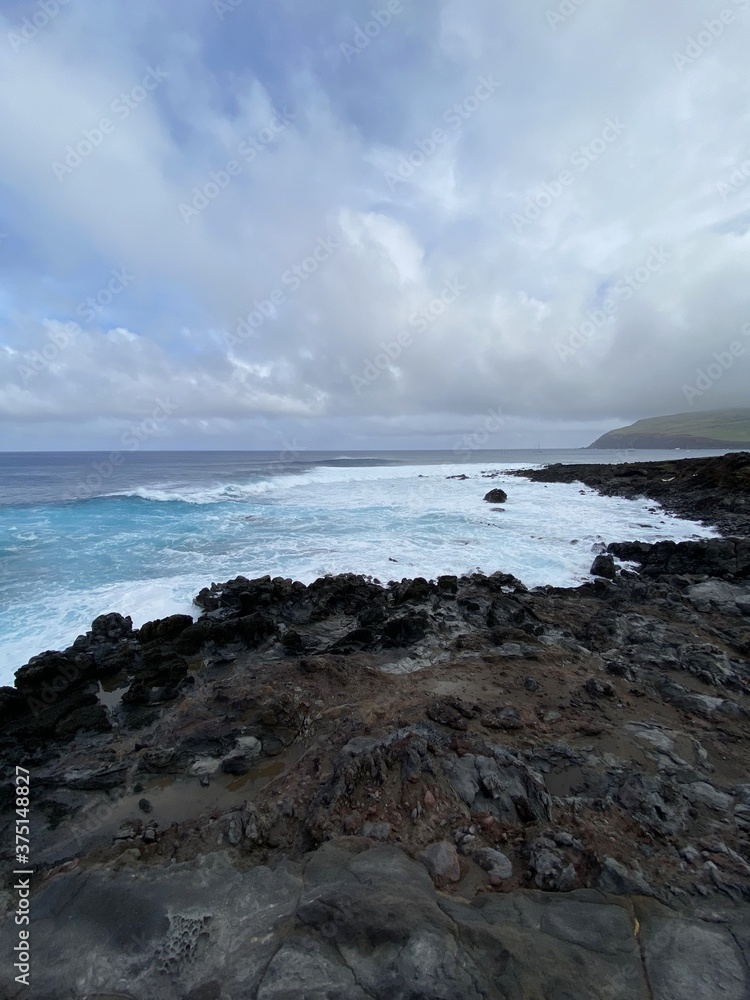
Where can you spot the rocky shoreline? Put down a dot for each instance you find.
(715, 491)
(426, 791)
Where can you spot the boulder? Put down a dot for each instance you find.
(441, 861)
(604, 565)
(241, 759)
(499, 865)
(496, 496)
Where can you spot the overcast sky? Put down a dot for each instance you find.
(434, 219)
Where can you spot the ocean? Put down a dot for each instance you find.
(141, 533)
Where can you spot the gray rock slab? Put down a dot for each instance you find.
(535, 944)
(155, 932)
(352, 922)
(688, 959)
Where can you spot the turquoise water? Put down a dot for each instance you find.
(80, 536)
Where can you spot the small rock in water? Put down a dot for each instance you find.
(144, 805)
(496, 496)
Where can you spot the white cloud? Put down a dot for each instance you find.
(322, 176)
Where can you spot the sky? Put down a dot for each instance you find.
(337, 224)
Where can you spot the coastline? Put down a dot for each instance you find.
(172, 524)
(714, 491)
(379, 766)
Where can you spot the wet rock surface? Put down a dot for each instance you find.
(458, 788)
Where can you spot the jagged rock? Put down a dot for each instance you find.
(604, 565)
(164, 630)
(504, 718)
(722, 558)
(111, 627)
(160, 760)
(241, 759)
(621, 881)
(546, 864)
(501, 785)
(701, 791)
(404, 630)
(599, 688)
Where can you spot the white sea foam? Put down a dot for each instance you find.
(148, 560)
(329, 476)
(56, 618)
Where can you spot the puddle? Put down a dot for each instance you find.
(109, 694)
(569, 781)
(173, 799)
(268, 770)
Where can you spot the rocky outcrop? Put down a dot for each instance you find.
(720, 558)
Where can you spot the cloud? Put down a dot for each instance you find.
(592, 146)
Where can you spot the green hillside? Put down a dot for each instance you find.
(708, 429)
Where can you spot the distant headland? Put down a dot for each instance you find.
(707, 429)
